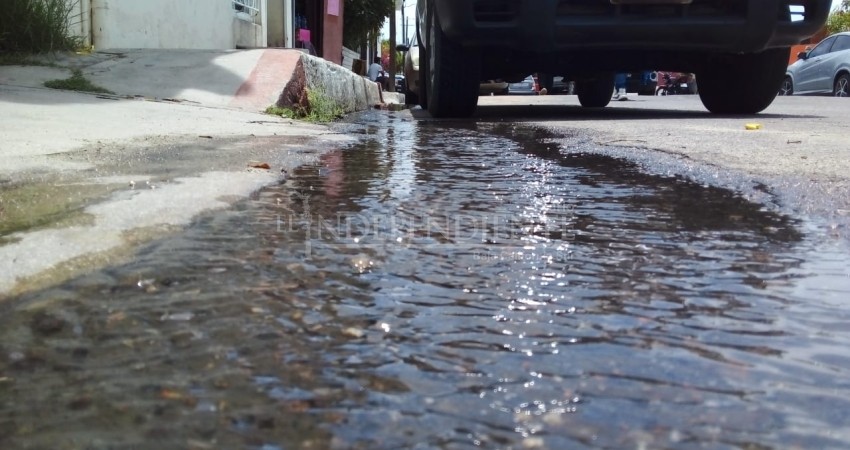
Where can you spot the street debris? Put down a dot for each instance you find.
(353, 332)
(177, 317)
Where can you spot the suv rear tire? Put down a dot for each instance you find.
(410, 98)
(742, 84)
(422, 98)
(595, 92)
(452, 74)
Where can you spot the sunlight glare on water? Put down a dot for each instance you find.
(446, 286)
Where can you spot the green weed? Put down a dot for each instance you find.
(77, 82)
(282, 112)
(20, 59)
(321, 109)
(37, 26)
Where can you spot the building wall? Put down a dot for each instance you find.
(276, 24)
(197, 24)
(332, 42)
(247, 34)
(807, 44)
(189, 24)
(79, 21)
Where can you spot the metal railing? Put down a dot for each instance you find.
(250, 7)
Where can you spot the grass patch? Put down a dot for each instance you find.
(37, 26)
(23, 59)
(282, 112)
(77, 82)
(320, 108)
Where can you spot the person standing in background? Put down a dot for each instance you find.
(376, 73)
(620, 87)
(375, 70)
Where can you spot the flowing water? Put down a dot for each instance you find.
(446, 286)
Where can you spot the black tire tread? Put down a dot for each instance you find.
(595, 92)
(790, 90)
(835, 84)
(742, 84)
(423, 78)
(454, 92)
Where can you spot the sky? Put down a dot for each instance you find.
(410, 14)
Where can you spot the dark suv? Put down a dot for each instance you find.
(738, 49)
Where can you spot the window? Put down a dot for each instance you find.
(841, 43)
(822, 48)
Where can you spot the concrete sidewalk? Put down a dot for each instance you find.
(85, 178)
(249, 80)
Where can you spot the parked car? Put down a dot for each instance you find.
(561, 85)
(737, 49)
(824, 69)
(412, 87)
(524, 87)
(555, 84)
(675, 83)
(400, 85)
(411, 73)
(493, 87)
(643, 83)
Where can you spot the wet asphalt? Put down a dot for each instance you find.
(449, 285)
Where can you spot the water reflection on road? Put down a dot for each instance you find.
(445, 286)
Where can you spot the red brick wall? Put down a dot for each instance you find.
(808, 43)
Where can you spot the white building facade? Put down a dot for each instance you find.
(314, 26)
(183, 24)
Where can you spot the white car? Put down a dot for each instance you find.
(411, 72)
(411, 75)
(524, 87)
(824, 69)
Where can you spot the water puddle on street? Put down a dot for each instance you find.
(446, 286)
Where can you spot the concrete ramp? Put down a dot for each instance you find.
(264, 85)
(351, 91)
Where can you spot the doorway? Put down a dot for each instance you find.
(308, 17)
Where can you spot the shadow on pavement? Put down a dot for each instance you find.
(538, 113)
(192, 76)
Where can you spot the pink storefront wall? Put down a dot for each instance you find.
(332, 39)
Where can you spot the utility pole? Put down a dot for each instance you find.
(391, 82)
(375, 42)
(404, 25)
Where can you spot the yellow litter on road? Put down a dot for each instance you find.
(753, 126)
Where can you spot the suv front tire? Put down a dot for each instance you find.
(742, 84)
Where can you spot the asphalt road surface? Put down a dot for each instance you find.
(456, 285)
